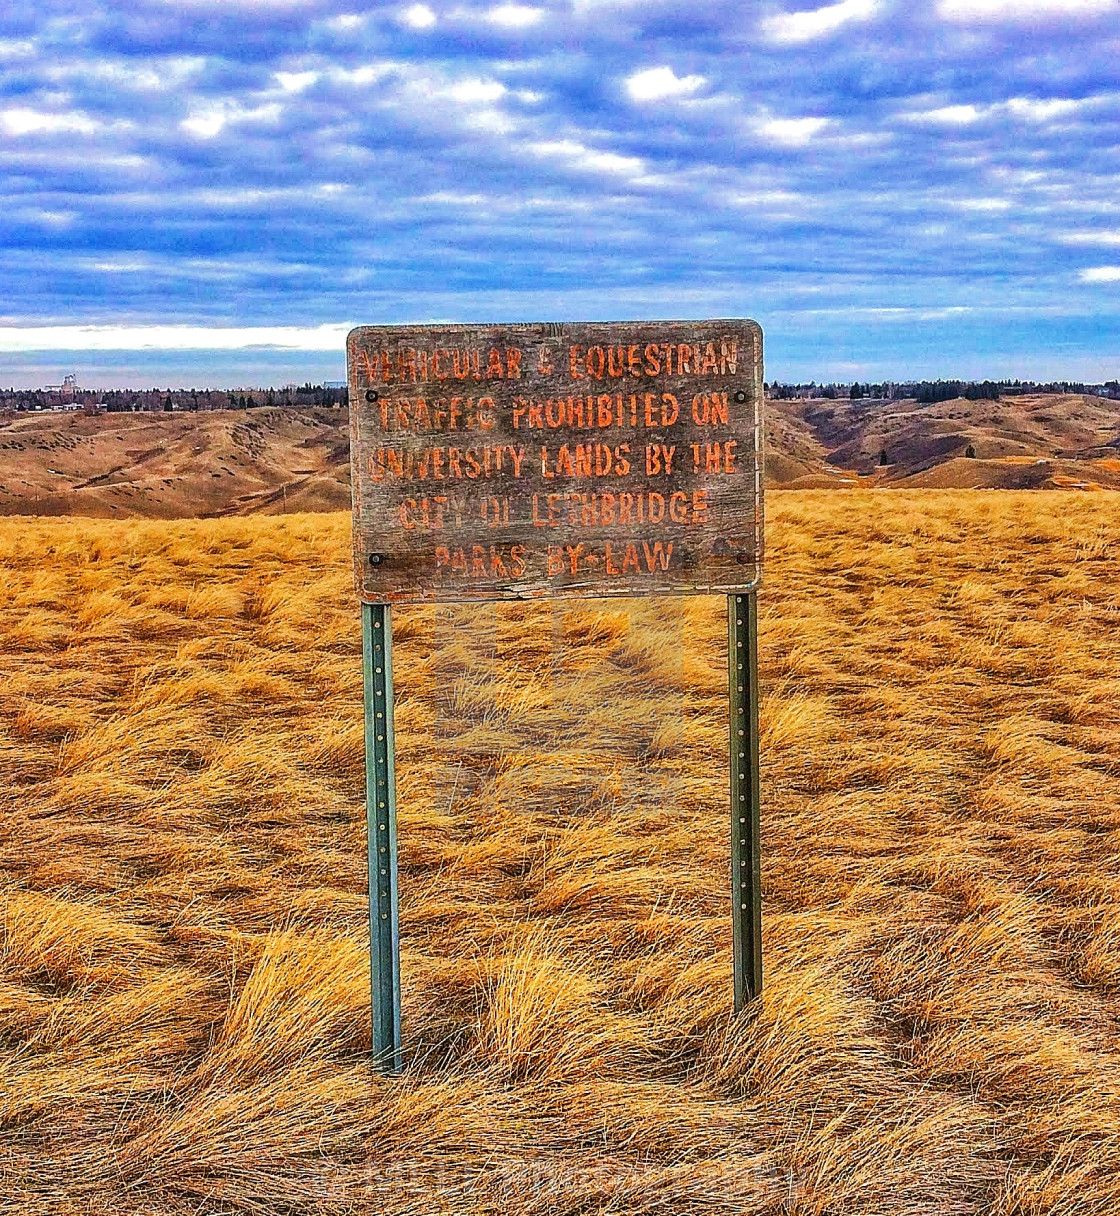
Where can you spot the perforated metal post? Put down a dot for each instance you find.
(381, 821)
(746, 906)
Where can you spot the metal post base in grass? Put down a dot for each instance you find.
(381, 821)
(746, 894)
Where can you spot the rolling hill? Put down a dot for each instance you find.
(283, 460)
(180, 465)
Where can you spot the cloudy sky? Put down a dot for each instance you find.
(209, 191)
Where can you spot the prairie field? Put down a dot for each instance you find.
(184, 986)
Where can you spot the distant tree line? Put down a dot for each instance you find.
(950, 390)
(168, 400)
(929, 391)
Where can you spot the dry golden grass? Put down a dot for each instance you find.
(183, 956)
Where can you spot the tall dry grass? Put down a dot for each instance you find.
(183, 955)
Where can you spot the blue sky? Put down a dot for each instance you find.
(208, 192)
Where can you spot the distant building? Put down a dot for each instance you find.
(67, 389)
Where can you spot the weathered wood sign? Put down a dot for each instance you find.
(519, 461)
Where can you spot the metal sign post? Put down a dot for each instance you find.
(746, 886)
(381, 825)
(573, 460)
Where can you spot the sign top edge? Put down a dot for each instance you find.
(452, 326)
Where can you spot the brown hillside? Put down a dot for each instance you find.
(164, 466)
(1075, 435)
(267, 461)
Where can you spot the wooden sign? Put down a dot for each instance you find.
(519, 461)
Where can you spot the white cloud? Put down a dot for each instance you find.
(205, 125)
(366, 74)
(1100, 237)
(1101, 274)
(296, 82)
(654, 84)
(1034, 110)
(764, 198)
(477, 91)
(819, 22)
(581, 157)
(792, 131)
(970, 11)
(952, 116)
(980, 204)
(452, 198)
(170, 337)
(18, 121)
(121, 266)
(514, 16)
(211, 121)
(418, 17)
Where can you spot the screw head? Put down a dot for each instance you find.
(371, 395)
(375, 559)
(740, 396)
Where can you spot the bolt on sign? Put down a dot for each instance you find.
(521, 461)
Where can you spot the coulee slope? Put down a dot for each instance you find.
(240, 462)
(1029, 442)
(164, 466)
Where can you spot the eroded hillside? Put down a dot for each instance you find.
(278, 460)
(157, 465)
(1029, 442)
